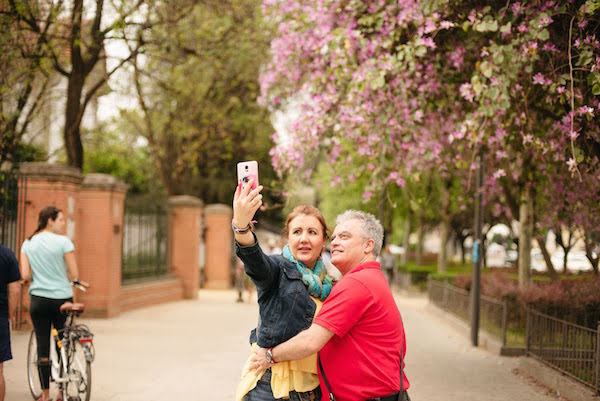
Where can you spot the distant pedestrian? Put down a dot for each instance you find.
(389, 263)
(9, 297)
(239, 279)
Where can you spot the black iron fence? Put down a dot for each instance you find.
(144, 238)
(567, 347)
(12, 210)
(501, 318)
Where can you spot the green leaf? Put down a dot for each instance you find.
(492, 26)
(544, 35)
(465, 26)
(420, 51)
(480, 27)
(591, 6)
(498, 58)
(506, 27)
(596, 89)
(379, 82)
(486, 70)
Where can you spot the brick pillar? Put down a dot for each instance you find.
(51, 184)
(219, 244)
(185, 224)
(101, 202)
(48, 184)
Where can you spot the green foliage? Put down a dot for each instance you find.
(198, 88)
(29, 152)
(334, 199)
(117, 154)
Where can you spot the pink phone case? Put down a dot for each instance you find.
(248, 170)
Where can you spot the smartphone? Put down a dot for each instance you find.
(248, 170)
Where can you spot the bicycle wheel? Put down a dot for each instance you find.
(79, 374)
(33, 373)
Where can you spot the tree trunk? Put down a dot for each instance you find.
(525, 236)
(541, 240)
(420, 235)
(589, 253)
(405, 239)
(442, 266)
(74, 109)
(72, 135)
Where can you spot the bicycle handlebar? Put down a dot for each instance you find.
(80, 285)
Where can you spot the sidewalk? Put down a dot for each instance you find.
(194, 350)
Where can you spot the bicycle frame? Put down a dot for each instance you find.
(70, 358)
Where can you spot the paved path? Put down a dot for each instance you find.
(194, 350)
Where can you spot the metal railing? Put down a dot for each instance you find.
(497, 317)
(144, 241)
(567, 347)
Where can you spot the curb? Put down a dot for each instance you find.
(564, 385)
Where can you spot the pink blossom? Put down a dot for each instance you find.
(466, 91)
(539, 79)
(499, 173)
(586, 110)
(401, 182)
(428, 42)
(367, 195)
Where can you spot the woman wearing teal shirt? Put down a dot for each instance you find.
(48, 260)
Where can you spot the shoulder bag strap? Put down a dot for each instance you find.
(331, 397)
(401, 392)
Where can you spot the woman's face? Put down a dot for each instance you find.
(306, 239)
(57, 226)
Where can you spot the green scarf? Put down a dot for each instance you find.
(317, 282)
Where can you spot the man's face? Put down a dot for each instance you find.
(349, 248)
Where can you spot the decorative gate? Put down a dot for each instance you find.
(12, 221)
(12, 210)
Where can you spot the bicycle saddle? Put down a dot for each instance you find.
(72, 307)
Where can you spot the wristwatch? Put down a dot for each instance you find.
(269, 356)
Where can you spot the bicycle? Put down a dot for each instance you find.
(71, 356)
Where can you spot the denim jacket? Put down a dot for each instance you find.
(285, 306)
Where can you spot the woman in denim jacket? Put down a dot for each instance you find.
(291, 289)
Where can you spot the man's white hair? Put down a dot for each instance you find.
(371, 227)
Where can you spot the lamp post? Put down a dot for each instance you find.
(477, 257)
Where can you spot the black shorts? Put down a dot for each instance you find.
(5, 354)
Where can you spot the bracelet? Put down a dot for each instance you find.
(244, 230)
(269, 356)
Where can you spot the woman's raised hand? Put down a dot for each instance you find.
(246, 202)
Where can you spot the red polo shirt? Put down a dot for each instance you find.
(362, 359)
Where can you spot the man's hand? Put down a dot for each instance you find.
(258, 361)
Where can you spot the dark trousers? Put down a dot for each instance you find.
(45, 313)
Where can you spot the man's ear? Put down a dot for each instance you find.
(369, 245)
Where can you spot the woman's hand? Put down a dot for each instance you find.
(258, 361)
(245, 204)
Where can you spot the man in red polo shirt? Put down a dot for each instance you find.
(358, 332)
